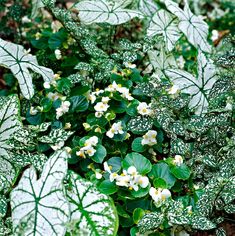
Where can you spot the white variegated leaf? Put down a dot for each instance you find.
(14, 57)
(194, 28)
(9, 121)
(92, 213)
(103, 11)
(161, 61)
(147, 7)
(164, 23)
(36, 5)
(199, 88)
(39, 206)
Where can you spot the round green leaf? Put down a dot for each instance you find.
(141, 163)
(162, 170)
(159, 183)
(180, 172)
(138, 215)
(137, 146)
(79, 103)
(116, 163)
(100, 154)
(108, 187)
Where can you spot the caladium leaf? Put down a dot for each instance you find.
(103, 11)
(9, 120)
(164, 23)
(92, 213)
(161, 61)
(194, 28)
(39, 206)
(199, 88)
(14, 57)
(147, 7)
(36, 5)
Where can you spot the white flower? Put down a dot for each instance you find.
(64, 108)
(123, 180)
(149, 138)
(105, 99)
(113, 176)
(57, 146)
(25, 19)
(215, 35)
(143, 181)
(129, 65)
(132, 171)
(33, 111)
(178, 160)
(98, 175)
(81, 153)
(165, 193)
(98, 114)
(101, 107)
(115, 129)
(144, 109)
(46, 85)
(125, 93)
(173, 90)
(53, 96)
(92, 98)
(67, 125)
(68, 149)
(133, 185)
(107, 167)
(92, 141)
(58, 54)
(180, 62)
(89, 150)
(113, 87)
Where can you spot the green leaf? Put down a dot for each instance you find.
(141, 163)
(39, 205)
(108, 187)
(79, 103)
(116, 163)
(105, 12)
(141, 192)
(180, 172)
(137, 146)
(15, 58)
(100, 154)
(9, 120)
(138, 215)
(160, 183)
(92, 213)
(162, 170)
(57, 39)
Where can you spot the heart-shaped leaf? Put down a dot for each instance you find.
(14, 57)
(39, 206)
(92, 213)
(147, 7)
(164, 23)
(103, 11)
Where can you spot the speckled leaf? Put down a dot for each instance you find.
(194, 28)
(139, 125)
(39, 206)
(9, 120)
(92, 213)
(199, 88)
(3, 206)
(163, 23)
(103, 11)
(14, 57)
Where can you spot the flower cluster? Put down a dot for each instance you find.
(64, 108)
(149, 138)
(88, 147)
(129, 178)
(159, 195)
(115, 129)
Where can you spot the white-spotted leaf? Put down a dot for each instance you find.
(165, 24)
(14, 57)
(9, 121)
(39, 206)
(194, 28)
(199, 88)
(103, 11)
(92, 213)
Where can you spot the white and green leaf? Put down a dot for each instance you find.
(199, 88)
(103, 11)
(193, 27)
(147, 7)
(165, 24)
(92, 213)
(36, 5)
(14, 57)
(9, 121)
(39, 206)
